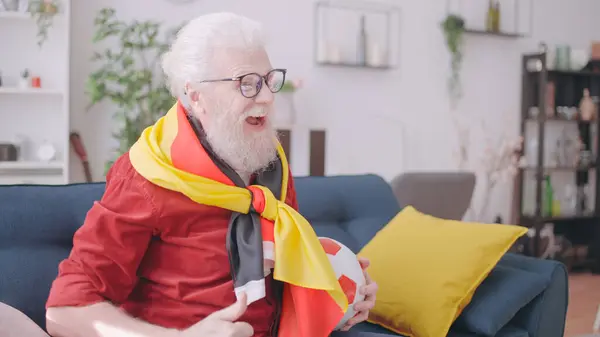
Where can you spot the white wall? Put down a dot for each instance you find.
(406, 108)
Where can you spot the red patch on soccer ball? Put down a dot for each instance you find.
(349, 287)
(330, 246)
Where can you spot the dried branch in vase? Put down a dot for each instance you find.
(500, 163)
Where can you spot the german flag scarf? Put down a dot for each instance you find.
(263, 229)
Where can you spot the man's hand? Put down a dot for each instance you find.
(362, 308)
(223, 323)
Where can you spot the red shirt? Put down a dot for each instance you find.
(157, 254)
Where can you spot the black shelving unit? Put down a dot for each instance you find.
(538, 108)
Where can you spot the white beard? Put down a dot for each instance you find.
(245, 152)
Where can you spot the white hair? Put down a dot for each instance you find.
(191, 54)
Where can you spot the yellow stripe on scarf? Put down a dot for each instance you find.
(299, 257)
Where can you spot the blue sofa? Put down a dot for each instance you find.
(37, 224)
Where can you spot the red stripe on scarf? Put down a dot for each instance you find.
(187, 153)
(308, 313)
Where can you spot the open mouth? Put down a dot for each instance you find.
(256, 121)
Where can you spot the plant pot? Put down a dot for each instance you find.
(23, 83)
(49, 8)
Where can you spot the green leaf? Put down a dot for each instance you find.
(126, 77)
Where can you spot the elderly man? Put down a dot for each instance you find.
(197, 233)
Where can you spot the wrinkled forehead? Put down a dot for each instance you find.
(232, 62)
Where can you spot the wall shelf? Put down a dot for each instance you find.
(334, 47)
(516, 17)
(15, 15)
(496, 34)
(29, 91)
(353, 65)
(23, 16)
(6, 166)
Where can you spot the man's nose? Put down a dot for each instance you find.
(265, 96)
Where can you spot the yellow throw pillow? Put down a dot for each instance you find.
(428, 268)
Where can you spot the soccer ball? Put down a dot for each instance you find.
(348, 272)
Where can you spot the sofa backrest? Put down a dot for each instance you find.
(37, 224)
(350, 209)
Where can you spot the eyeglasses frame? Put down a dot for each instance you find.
(264, 80)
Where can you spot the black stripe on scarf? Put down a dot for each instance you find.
(244, 235)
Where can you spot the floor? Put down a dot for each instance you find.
(584, 292)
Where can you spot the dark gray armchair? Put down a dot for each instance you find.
(444, 195)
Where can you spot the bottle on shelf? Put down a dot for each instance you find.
(492, 21)
(490, 16)
(548, 197)
(496, 25)
(361, 46)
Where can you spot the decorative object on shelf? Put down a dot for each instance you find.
(36, 82)
(550, 96)
(375, 42)
(454, 29)
(587, 107)
(595, 50)
(10, 5)
(579, 58)
(549, 206)
(24, 79)
(376, 56)
(46, 152)
(567, 149)
(43, 11)
(521, 15)
(362, 43)
(563, 57)
(8, 152)
(492, 23)
(567, 113)
(22, 143)
(125, 76)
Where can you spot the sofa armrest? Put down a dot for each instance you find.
(544, 316)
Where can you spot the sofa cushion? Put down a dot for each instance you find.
(350, 209)
(498, 299)
(428, 268)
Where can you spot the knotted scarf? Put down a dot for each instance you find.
(263, 230)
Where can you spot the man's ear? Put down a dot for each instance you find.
(195, 98)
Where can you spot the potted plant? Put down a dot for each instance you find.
(43, 11)
(24, 80)
(125, 76)
(454, 27)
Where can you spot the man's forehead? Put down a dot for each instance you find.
(232, 63)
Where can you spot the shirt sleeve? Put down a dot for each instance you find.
(108, 248)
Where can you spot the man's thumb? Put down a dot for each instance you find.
(234, 311)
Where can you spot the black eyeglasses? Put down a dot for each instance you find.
(251, 84)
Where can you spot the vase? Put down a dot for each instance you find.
(23, 82)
